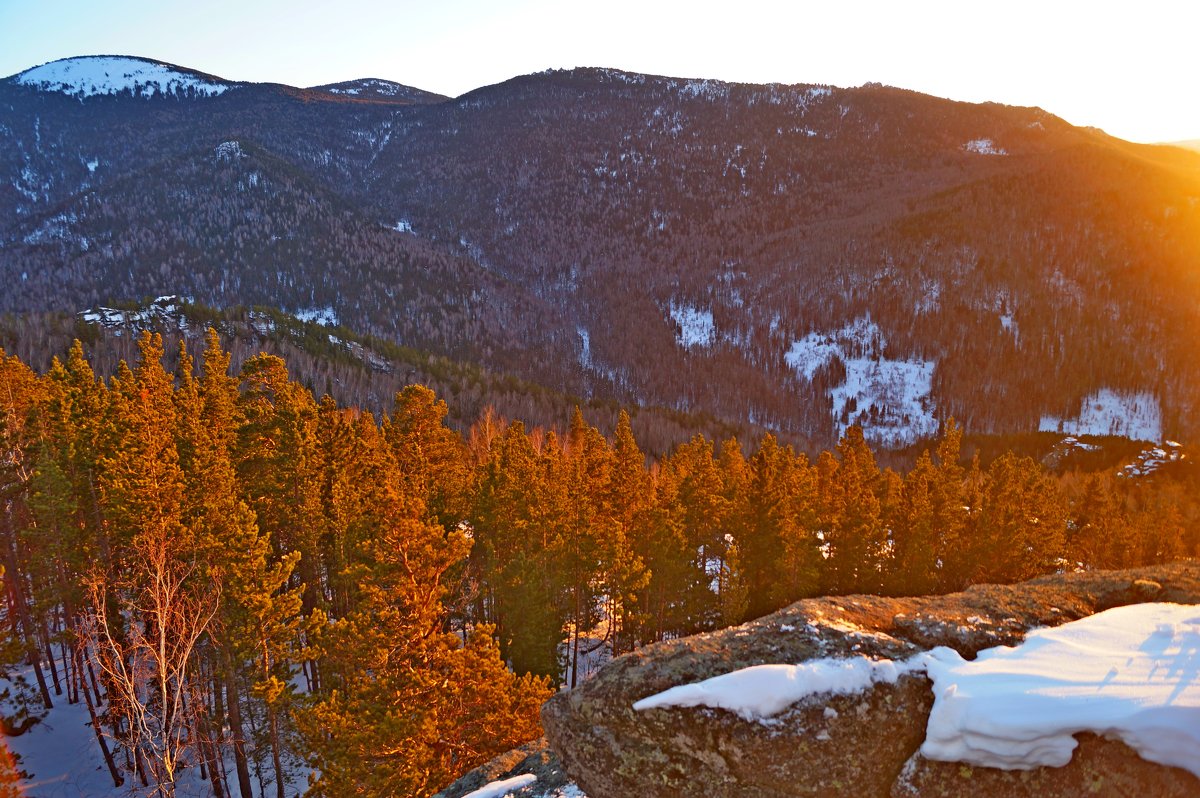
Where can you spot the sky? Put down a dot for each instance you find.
(1128, 68)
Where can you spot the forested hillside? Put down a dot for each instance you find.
(234, 576)
(802, 258)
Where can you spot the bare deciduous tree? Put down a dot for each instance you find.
(146, 626)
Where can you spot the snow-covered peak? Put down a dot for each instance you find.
(92, 75)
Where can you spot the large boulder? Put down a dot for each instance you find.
(864, 744)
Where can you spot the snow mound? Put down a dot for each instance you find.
(1133, 415)
(761, 691)
(89, 76)
(1132, 673)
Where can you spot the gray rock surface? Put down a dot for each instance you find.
(855, 745)
(535, 757)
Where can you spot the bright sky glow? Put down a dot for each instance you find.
(1126, 67)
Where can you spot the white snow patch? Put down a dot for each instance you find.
(707, 89)
(403, 226)
(496, 789)
(1108, 412)
(761, 691)
(1009, 323)
(1131, 673)
(984, 147)
(62, 756)
(890, 399)
(1152, 458)
(88, 76)
(694, 326)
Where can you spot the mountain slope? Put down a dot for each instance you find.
(802, 257)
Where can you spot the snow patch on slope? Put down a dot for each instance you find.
(89, 76)
(1128, 672)
(693, 326)
(984, 147)
(1108, 412)
(890, 399)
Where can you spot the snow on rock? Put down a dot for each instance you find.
(984, 147)
(326, 316)
(1152, 458)
(761, 691)
(89, 76)
(229, 151)
(1129, 672)
(890, 399)
(567, 791)
(163, 311)
(694, 326)
(497, 789)
(1108, 412)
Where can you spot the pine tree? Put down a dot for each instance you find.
(258, 615)
(410, 707)
(629, 494)
(855, 532)
(515, 532)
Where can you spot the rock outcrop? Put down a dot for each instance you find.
(850, 745)
(534, 758)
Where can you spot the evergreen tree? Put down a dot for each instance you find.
(410, 707)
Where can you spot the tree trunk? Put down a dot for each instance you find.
(118, 779)
(235, 725)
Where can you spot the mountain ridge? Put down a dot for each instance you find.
(647, 239)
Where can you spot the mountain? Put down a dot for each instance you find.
(797, 257)
(95, 75)
(379, 90)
